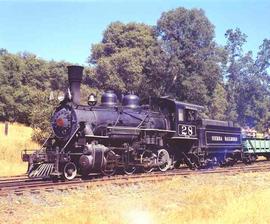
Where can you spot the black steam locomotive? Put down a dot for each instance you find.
(127, 136)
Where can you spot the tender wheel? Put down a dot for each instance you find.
(129, 169)
(163, 160)
(70, 171)
(177, 164)
(148, 169)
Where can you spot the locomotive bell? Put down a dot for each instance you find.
(131, 101)
(75, 74)
(92, 100)
(109, 99)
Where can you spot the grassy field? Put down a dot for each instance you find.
(213, 198)
(19, 138)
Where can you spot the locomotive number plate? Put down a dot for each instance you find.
(187, 130)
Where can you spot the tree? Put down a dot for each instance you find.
(262, 64)
(155, 71)
(121, 56)
(234, 49)
(193, 57)
(12, 68)
(40, 118)
(248, 91)
(3, 51)
(219, 103)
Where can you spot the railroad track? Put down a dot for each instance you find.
(20, 185)
(3, 178)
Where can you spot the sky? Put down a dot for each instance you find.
(65, 30)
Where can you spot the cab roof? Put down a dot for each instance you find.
(166, 101)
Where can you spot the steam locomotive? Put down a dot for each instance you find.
(126, 136)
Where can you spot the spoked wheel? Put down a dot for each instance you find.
(109, 169)
(164, 160)
(70, 171)
(129, 169)
(151, 158)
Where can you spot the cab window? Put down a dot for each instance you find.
(180, 115)
(191, 115)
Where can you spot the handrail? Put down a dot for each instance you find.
(62, 150)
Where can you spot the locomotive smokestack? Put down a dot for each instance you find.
(75, 74)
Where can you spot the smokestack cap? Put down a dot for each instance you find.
(75, 73)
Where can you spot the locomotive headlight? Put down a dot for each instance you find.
(61, 96)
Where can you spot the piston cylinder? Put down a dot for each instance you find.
(93, 158)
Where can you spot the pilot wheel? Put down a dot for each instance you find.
(70, 171)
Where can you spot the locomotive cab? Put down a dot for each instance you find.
(182, 116)
(187, 115)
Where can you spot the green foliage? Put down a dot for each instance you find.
(121, 56)
(22, 77)
(178, 57)
(219, 104)
(40, 118)
(247, 82)
(190, 57)
(26, 83)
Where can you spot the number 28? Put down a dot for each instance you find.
(187, 130)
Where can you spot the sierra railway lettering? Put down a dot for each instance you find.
(217, 138)
(230, 139)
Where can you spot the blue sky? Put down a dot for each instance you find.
(65, 30)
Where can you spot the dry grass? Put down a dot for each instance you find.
(19, 138)
(212, 198)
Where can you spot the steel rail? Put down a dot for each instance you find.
(34, 186)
